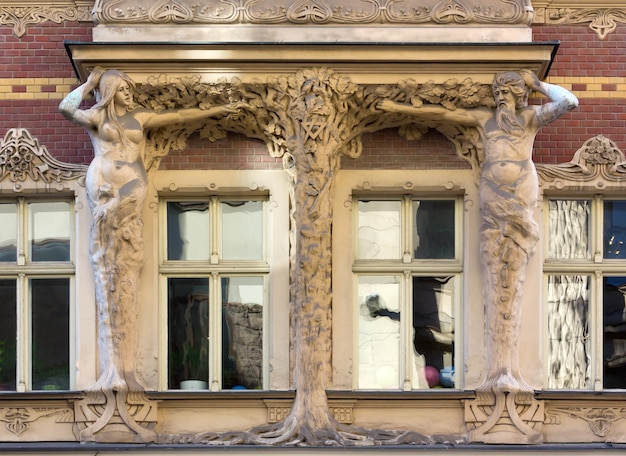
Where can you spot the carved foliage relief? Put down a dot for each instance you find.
(601, 20)
(315, 11)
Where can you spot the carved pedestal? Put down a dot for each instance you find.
(505, 417)
(111, 416)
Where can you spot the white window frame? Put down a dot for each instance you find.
(270, 185)
(596, 267)
(406, 267)
(214, 270)
(23, 271)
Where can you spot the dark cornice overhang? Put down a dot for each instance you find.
(365, 63)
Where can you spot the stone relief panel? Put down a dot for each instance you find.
(601, 20)
(599, 419)
(23, 159)
(270, 12)
(17, 420)
(20, 15)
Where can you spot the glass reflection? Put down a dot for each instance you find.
(51, 328)
(614, 316)
(568, 329)
(8, 332)
(188, 230)
(569, 229)
(49, 231)
(433, 232)
(188, 330)
(379, 332)
(379, 230)
(242, 332)
(8, 232)
(614, 229)
(242, 230)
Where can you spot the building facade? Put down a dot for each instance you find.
(296, 256)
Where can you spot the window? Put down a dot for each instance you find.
(36, 276)
(585, 274)
(408, 275)
(215, 274)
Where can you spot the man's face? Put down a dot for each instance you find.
(504, 97)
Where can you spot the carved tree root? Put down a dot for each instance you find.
(291, 432)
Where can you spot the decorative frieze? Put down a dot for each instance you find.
(273, 12)
(601, 20)
(21, 15)
(18, 419)
(599, 419)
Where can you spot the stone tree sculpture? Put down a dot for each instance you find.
(508, 190)
(116, 187)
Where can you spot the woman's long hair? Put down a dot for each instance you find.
(107, 88)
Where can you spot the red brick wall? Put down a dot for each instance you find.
(37, 62)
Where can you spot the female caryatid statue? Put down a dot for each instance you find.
(508, 190)
(116, 188)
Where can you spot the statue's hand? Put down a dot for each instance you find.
(94, 79)
(531, 79)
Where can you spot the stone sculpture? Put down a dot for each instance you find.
(116, 187)
(508, 189)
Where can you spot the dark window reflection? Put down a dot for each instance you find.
(188, 333)
(614, 311)
(8, 332)
(614, 229)
(434, 236)
(50, 327)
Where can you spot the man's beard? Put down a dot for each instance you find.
(507, 120)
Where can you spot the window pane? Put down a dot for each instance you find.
(568, 328)
(51, 333)
(379, 230)
(242, 230)
(8, 232)
(433, 326)
(188, 230)
(614, 312)
(49, 233)
(614, 229)
(242, 332)
(188, 330)
(8, 332)
(433, 232)
(379, 332)
(569, 229)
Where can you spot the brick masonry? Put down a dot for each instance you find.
(35, 73)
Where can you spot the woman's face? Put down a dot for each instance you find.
(122, 95)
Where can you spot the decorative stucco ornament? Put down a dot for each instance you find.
(273, 12)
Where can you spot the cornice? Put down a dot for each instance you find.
(20, 14)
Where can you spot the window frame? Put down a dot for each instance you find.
(407, 268)
(213, 269)
(23, 271)
(596, 267)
